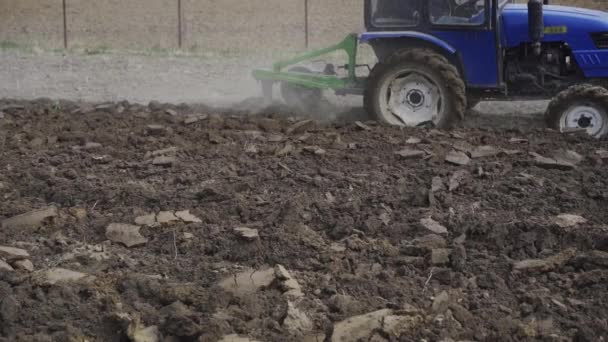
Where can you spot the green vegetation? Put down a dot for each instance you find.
(100, 50)
(5, 45)
(195, 51)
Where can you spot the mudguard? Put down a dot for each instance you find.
(368, 36)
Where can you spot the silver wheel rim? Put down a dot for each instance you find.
(584, 116)
(410, 98)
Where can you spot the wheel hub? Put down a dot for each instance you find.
(584, 117)
(414, 99)
(585, 121)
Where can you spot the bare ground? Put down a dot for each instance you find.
(355, 231)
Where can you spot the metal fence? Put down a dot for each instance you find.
(216, 24)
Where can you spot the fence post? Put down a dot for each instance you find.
(306, 18)
(179, 24)
(65, 25)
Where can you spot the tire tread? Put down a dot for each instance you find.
(449, 74)
(579, 92)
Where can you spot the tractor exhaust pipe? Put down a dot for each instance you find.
(536, 23)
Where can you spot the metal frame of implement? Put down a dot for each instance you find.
(320, 81)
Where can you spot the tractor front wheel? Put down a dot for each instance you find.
(580, 107)
(416, 87)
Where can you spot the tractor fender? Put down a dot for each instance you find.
(367, 37)
(385, 44)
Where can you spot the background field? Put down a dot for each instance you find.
(227, 25)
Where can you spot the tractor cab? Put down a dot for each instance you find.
(462, 29)
(397, 14)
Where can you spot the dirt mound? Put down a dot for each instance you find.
(124, 222)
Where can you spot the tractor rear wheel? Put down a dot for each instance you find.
(582, 106)
(300, 98)
(416, 87)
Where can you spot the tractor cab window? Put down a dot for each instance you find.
(457, 12)
(395, 13)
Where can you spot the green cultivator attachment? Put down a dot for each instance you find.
(300, 85)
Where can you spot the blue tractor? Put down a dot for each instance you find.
(436, 58)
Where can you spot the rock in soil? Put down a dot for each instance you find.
(147, 220)
(60, 276)
(484, 152)
(5, 266)
(11, 253)
(166, 217)
(569, 220)
(299, 127)
(547, 264)
(138, 333)
(29, 220)
(289, 285)
(169, 151)
(297, 320)
(248, 282)
(433, 226)
(551, 163)
(190, 119)
(410, 153)
(236, 338)
(164, 161)
(362, 126)
(247, 233)
(441, 302)
(155, 129)
(359, 327)
(568, 156)
(185, 216)
(458, 158)
(24, 265)
(396, 326)
(457, 179)
(125, 234)
(437, 184)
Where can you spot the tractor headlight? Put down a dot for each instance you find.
(600, 39)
